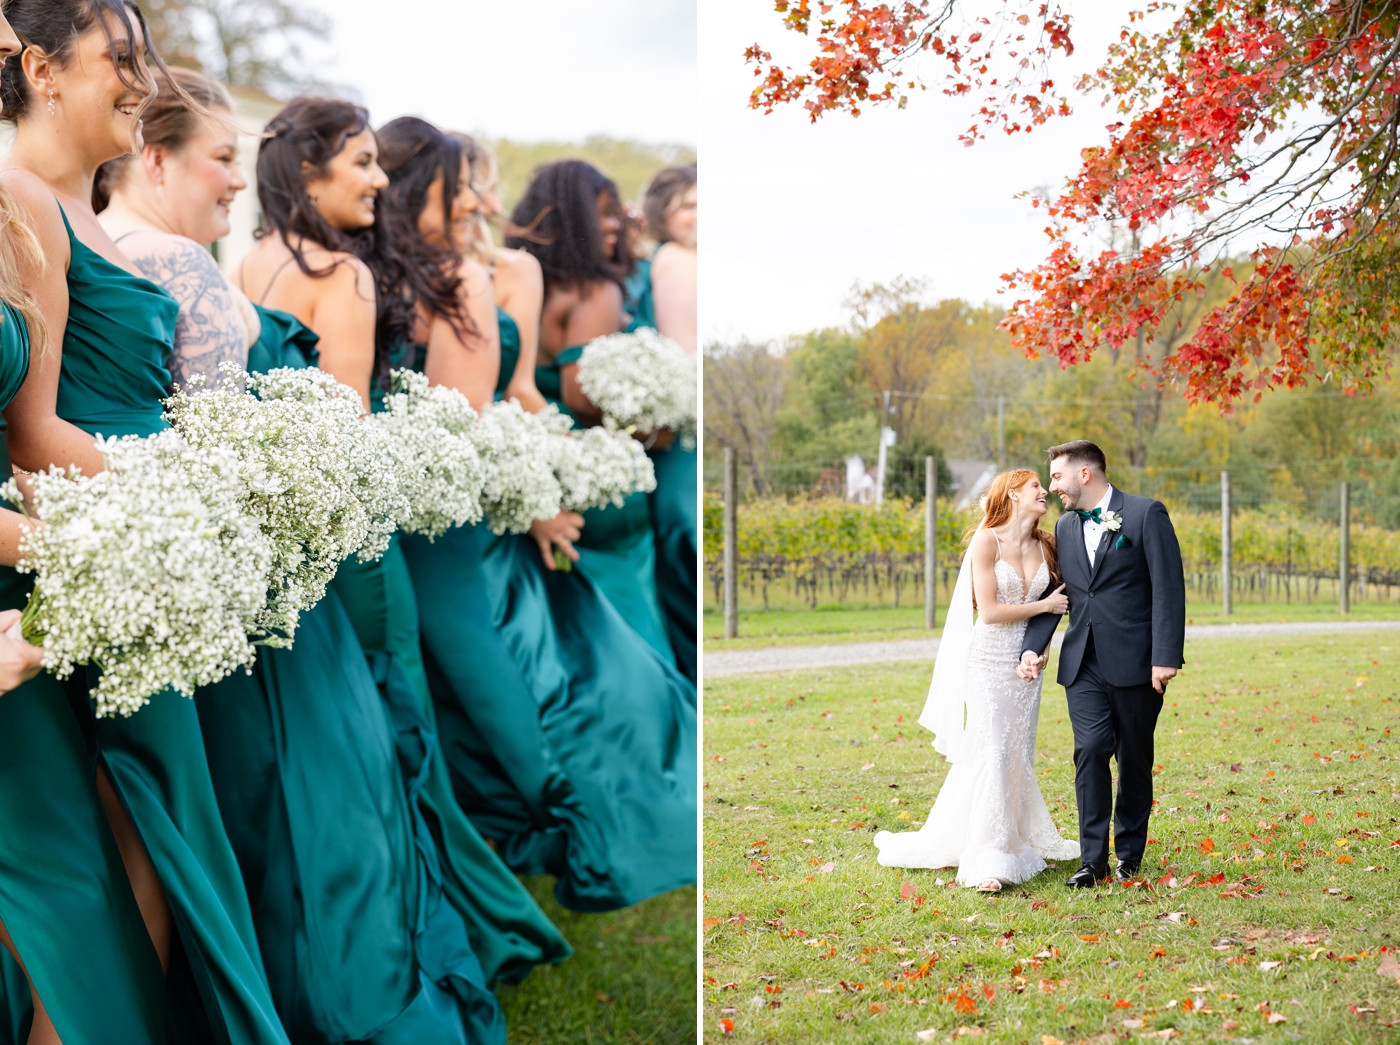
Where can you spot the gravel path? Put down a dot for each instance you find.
(797, 658)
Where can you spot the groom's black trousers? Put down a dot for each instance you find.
(1111, 722)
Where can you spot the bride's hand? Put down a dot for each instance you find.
(19, 661)
(1056, 602)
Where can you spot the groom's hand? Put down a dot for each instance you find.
(1161, 676)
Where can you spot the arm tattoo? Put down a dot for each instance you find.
(210, 328)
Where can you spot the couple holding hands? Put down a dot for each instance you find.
(1113, 563)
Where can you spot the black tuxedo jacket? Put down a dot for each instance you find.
(1133, 597)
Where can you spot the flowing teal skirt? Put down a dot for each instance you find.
(472, 910)
(675, 522)
(64, 894)
(306, 770)
(572, 742)
(617, 553)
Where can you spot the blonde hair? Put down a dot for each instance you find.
(482, 170)
(998, 507)
(19, 249)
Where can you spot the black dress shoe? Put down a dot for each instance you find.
(1087, 877)
(1126, 872)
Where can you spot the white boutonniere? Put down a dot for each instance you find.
(1112, 521)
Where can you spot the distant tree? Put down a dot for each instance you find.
(629, 163)
(744, 386)
(252, 43)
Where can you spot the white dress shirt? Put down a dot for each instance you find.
(1092, 530)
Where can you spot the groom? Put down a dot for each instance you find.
(1121, 565)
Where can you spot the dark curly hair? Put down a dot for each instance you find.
(53, 27)
(560, 210)
(414, 154)
(313, 131)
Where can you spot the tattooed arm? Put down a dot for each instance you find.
(211, 327)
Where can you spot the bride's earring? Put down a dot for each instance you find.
(52, 108)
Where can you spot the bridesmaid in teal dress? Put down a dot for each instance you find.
(571, 741)
(460, 896)
(67, 912)
(662, 294)
(72, 105)
(576, 216)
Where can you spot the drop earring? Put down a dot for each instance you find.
(52, 108)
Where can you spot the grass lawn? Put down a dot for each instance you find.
(1274, 881)
(795, 625)
(631, 980)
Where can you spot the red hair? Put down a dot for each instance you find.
(998, 507)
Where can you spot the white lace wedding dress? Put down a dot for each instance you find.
(990, 820)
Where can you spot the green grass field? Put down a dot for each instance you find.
(631, 980)
(795, 625)
(1273, 891)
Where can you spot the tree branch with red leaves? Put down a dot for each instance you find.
(1248, 128)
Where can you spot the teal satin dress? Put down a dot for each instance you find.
(618, 549)
(64, 895)
(306, 773)
(463, 892)
(674, 505)
(119, 336)
(571, 741)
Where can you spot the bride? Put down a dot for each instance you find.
(989, 820)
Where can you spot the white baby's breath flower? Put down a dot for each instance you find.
(641, 379)
(429, 432)
(518, 484)
(315, 475)
(595, 466)
(149, 570)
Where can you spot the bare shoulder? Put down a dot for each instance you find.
(983, 544)
(179, 251)
(37, 205)
(520, 264)
(473, 274)
(672, 260)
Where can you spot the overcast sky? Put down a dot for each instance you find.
(794, 213)
(528, 69)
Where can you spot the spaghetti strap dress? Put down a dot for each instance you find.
(64, 894)
(118, 339)
(571, 742)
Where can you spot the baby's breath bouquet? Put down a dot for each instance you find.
(315, 476)
(148, 570)
(595, 466)
(429, 431)
(518, 485)
(642, 380)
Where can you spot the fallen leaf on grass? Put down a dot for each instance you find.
(1207, 846)
(1389, 967)
(926, 1035)
(1089, 937)
(1276, 1017)
(906, 890)
(1050, 1039)
(826, 868)
(726, 1026)
(602, 997)
(868, 765)
(1229, 1025)
(1345, 860)
(1133, 1024)
(1266, 966)
(1173, 916)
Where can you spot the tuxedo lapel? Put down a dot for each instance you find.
(1115, 504)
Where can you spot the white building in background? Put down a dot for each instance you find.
(252, 110)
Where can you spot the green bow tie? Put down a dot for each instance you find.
(1093, 516)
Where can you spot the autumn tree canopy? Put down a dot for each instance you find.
(1260, 130)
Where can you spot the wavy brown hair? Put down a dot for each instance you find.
(997, 509)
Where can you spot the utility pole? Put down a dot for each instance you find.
(887, 437)
(930, 543)
(1227, 573)
(731, 545)
(1345, 550)
(1001, 433)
